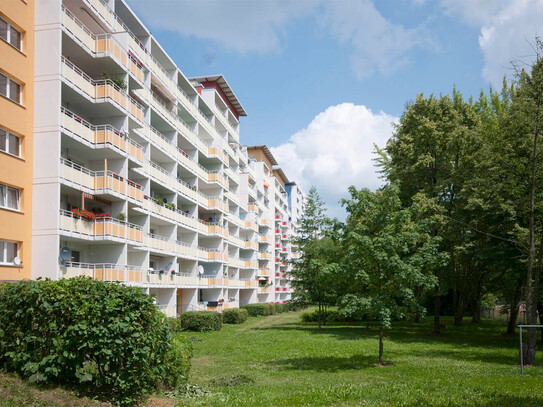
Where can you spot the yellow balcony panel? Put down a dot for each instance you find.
(251, 245)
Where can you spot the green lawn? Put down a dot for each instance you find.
(279, 361)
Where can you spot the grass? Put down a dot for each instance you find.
(280, 361)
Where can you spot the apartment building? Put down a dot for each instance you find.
(271, 200)
(16, 121)
(139, 175)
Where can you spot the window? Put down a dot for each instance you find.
(10, 88)
(8, 252)
(10, 34)
(10, 143)
(9, 197)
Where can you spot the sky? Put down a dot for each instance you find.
(323, 81)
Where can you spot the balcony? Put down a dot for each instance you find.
(186, 250)
(101, 90)
(263, 256)
(100, 136)
(284, 237)
(162, 75)
(217, 229)
(98, 45)
(251, 225)
(217, 176)
(253, 208)
(217, 204)
(263, 290)
(218, 153)
(100, 182)
(251, 245)
(160, 106)
(132, 275)
(250, 283)
(264, 272)
(249, 264)
(263, 239)
(236, 241)
(160, 243)
(100, 229)
(264, 222)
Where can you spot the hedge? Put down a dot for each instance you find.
(200, 321)
(235, 316)
(257, 310)
(279, 308)
(104, 339)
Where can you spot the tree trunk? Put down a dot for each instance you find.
(461, 306)
(514, 309)
(319, 316)
(381, 345)
(437, 310)
(531, 309)
(476, 315)
(476, 302)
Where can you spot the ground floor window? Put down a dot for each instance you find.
(8, 252)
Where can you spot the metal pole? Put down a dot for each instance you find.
(521, 356)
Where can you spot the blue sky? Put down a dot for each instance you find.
(322, 80)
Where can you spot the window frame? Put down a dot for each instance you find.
(4, 252)
(4, 193)
(9, 79)
(5, 148)
(8, 36)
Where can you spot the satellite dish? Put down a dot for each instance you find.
(200, 269)
(65, 254)
(17, 261)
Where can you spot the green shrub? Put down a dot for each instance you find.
(271, 305)
(279, 308)
(235, 316)
(105, 339)
(257, 310)
(200, 321)
(177, 362)
(331, 316)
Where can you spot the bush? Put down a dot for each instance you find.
(200, 321)
(257, 310)
(331, 316)
(279, 308)
(177, 362)
(235, 316)
(271, 305)
(105, 339)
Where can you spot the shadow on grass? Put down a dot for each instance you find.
(326, 364)
(481, 343)
(499, 400)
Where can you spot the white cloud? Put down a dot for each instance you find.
(378, 45)
(335, 151)
(259, 25)
(508, 29)
(242, 25)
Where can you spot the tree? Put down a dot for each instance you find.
(432, 153)
(314, 274)
(387, 256)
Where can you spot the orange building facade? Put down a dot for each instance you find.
(16, 129)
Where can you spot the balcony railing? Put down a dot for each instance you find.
(100, 136)
(100, 182)
(104, 272)
(101, 228)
